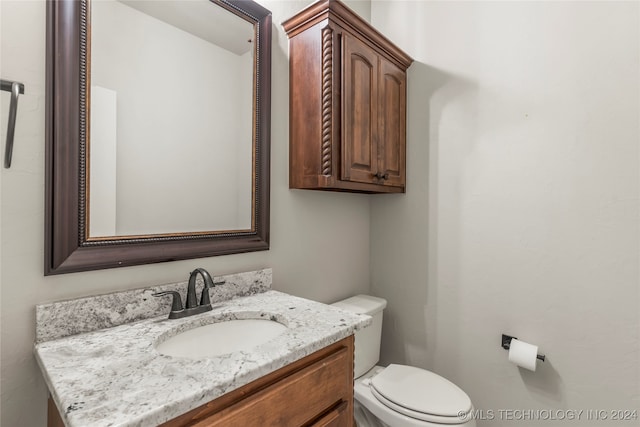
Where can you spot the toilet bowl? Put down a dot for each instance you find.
(399, 395)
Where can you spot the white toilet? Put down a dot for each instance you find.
(399, 395)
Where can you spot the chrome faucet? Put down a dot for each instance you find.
(192, 305)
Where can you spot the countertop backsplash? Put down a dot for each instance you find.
(76, 316)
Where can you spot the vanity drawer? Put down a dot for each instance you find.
(336, 417)
(314, 391)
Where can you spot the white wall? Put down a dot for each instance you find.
(319, 241)
(521, 213)
(244, 152)
(103, 162)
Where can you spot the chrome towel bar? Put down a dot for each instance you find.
(15, 88)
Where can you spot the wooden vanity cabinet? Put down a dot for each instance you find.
(314, 391)
(347, 103)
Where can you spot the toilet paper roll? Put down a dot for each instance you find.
(523, 354)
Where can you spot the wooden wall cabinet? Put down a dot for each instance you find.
(347, 103)
(314, 391)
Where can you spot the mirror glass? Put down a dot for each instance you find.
(171, 129)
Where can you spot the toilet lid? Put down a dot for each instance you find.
(420, 391)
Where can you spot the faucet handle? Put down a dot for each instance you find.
(204, 298)
(176, 303)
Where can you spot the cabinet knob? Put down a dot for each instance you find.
(381, 175)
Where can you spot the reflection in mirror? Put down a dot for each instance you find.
(171, 118)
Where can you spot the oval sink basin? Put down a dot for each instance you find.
(220, 338)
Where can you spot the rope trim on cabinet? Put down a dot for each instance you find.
(327, 95)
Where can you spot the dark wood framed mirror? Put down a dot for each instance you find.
(72, 243)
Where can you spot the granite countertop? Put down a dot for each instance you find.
(115, 376)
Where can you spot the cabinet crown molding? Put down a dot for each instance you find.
(341, 13)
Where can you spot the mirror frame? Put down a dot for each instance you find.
(67, 248)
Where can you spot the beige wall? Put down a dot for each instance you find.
(521, 213)
(319, 241)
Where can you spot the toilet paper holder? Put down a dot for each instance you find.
(506, 344)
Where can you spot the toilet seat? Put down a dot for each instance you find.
(420, 394)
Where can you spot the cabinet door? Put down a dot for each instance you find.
(391, 123)
(359, 110)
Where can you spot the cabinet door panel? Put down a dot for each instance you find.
(391, 123)
(359, 106)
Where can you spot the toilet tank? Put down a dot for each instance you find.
(367, 340)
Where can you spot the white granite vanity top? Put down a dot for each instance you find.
(115, 377)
